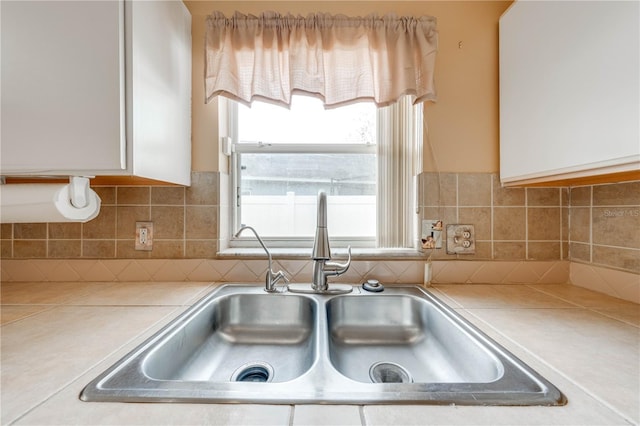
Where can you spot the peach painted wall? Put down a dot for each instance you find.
(462, 124)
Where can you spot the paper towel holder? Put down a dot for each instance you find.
(79, 191)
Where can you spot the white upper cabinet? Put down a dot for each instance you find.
(96, 88)
(569, 90)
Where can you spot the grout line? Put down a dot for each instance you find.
(551, 367)
(363, 418)
(591, 224)
(139, 337)
(593, 309)
(292, 413)
(526, 223)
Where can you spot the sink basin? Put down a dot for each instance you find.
(240, 344)
(239, 337)
(403, 339)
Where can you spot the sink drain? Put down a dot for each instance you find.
(389, 372)
(256, 372)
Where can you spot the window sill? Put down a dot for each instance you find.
(338, 253)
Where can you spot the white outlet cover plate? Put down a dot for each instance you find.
(148, 246)
(461, 239)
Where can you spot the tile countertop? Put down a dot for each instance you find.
(56, 337)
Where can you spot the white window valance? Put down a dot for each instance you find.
(336, 58)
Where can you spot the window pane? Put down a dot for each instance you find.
(307, 122)
(278, 193)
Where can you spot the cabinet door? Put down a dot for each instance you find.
(62, 86)
(159, 89)
(569, 90)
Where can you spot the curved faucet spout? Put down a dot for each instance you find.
(272, 277)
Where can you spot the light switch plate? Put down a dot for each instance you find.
(461, 239)
(431, 235)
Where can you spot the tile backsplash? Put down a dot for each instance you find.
(605, 225)
(185, 225)
(510, 223)
(595, 224)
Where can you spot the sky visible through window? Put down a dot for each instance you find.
(307, 122)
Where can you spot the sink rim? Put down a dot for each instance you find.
(322, 382)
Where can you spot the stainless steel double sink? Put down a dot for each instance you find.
(242, 345)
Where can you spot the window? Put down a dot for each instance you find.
(283, 157)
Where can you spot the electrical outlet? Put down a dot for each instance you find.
(431, 235)
(461, 239)
(144, 236)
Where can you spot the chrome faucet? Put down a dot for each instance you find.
(271, 278)
(321, 254)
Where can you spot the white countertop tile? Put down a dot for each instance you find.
(56, 337)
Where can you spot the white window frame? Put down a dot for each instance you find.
(383, 116)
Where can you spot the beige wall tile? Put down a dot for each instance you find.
(543, 197)
(107, 194)
(580, 251)
(543, 223)
(509, 250)
(484, 251)
(201, 222)
(99, 249)
(616, 226)
(479, 217)
(446, 214)
(203, 189)
(580, 230)
(439, 189)
(64, 248)
(133, 195)
(201, 249)
(65, 230)
(127, 217)
(6, 231)
(30, 231)
(509, 223)
(126, 249)
(619, 194)
(627, 259)
(6, 249)
(163, 195)
(168, 222)
(543, 250)
(167, 249)
(474, 189)
(29, 248)
(103, 226)
(507, 196)
(580, 196)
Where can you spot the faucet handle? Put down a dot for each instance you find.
(272, 278)
(338, 268)
(280, 275)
